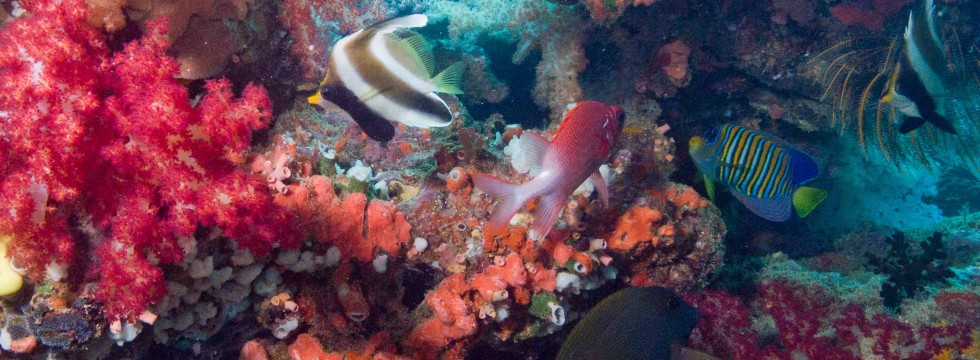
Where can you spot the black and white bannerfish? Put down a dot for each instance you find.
(917, 85)
(383, 73)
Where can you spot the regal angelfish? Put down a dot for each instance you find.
(765, 173)
(380, 74)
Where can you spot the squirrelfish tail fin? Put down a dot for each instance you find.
(806, 198)
(448, 80)
(508, 194)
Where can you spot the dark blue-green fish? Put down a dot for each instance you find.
(764, 172)
(651, 323)
(917, 84)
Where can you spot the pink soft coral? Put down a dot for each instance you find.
(115, 139)
(804, 316)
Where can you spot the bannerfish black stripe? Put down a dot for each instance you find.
(375, 68)
(377, 75)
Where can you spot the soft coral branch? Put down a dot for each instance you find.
(116, 136)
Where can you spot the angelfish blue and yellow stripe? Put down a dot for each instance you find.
(765, 173)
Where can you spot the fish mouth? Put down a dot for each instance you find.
(696, 142)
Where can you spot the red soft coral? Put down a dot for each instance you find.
(116, 138)
(48, 96)
(316, 24)
(804, 316)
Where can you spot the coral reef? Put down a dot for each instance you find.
(802, 316)
(156, 200)
(909, 272)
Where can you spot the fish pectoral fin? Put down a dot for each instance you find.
(448, 80)
(600, 185)
(911, 123)
(709, 187)
(806, 198)
(371, 94)
(416, 48)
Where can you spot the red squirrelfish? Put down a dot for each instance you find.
(584, 140)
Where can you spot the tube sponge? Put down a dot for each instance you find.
(10, 280)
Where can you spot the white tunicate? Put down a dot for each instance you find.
(176, 288)
(205, 311)
(287, 257)
(201, 284)
(242, 257)
(283, 330)
(233, 292)
(57, 271)
(183, 320)
(380, 264)
(304, 263)
(168, 303)
(128, 332)
(267, 282)
(360, 172)
(587, 187)
(200, 268)
(420, 244)
(557, 314)
(5, 339)
(246, 275)
(381, 189)
(191, 297)
(502, 313)
(498, 139)
(333, 256)
(518, 158)
(566, 280)
(220, 276)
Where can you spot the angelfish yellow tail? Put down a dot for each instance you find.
(806, 198)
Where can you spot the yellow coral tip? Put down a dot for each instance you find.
(10, 281)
